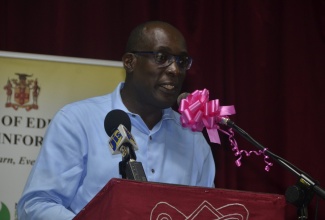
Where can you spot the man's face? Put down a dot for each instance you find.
(158, 86)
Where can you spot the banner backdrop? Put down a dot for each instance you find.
(32, 89)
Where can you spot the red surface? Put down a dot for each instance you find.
(125, 199)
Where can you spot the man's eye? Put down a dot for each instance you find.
(183, 61)
(161, 58)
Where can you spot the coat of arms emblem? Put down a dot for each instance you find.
(26, 92)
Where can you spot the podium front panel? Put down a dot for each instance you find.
(125, 199)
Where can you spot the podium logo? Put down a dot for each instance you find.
(22, 92)
(4, 212)
(205, 211)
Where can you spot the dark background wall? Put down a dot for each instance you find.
(266, 57)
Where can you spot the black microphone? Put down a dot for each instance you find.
(182, 96)
(117, 125)
(301, 192)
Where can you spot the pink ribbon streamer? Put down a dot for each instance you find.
(198, 112)
(239, 153)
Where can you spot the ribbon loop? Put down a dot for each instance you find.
(198, 112)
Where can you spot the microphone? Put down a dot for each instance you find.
(300, 194)
(182, 96)
(117, 125)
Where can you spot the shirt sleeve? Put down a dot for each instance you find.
(57, 173)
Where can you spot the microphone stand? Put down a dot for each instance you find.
(125, 159)
(129, 168)
(303, 191)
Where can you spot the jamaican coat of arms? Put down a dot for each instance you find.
(26, 92)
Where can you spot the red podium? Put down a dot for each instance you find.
(126, 199)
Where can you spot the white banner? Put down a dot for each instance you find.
(32, 89)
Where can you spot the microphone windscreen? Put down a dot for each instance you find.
(182, 96)
(115, 118)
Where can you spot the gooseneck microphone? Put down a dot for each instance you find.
(182, 96)
(117, 125)
(300, 194)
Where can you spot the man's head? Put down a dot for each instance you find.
(155, 61)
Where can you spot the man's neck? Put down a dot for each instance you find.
(151, 116)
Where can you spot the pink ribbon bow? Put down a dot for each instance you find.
(198, 112)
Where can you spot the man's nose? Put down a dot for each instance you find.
(173, 68)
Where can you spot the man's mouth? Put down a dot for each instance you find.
(168, 86)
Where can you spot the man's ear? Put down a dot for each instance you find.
(129, 61)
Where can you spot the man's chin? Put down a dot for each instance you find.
(167, 104)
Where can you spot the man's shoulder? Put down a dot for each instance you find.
(90, 104)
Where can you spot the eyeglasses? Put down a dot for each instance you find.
(163, 59)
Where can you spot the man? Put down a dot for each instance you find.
(75, 161)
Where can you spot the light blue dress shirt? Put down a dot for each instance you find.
(75, 162)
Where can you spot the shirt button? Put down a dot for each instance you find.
(152, 171)
(133, 115)
(150, 137)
